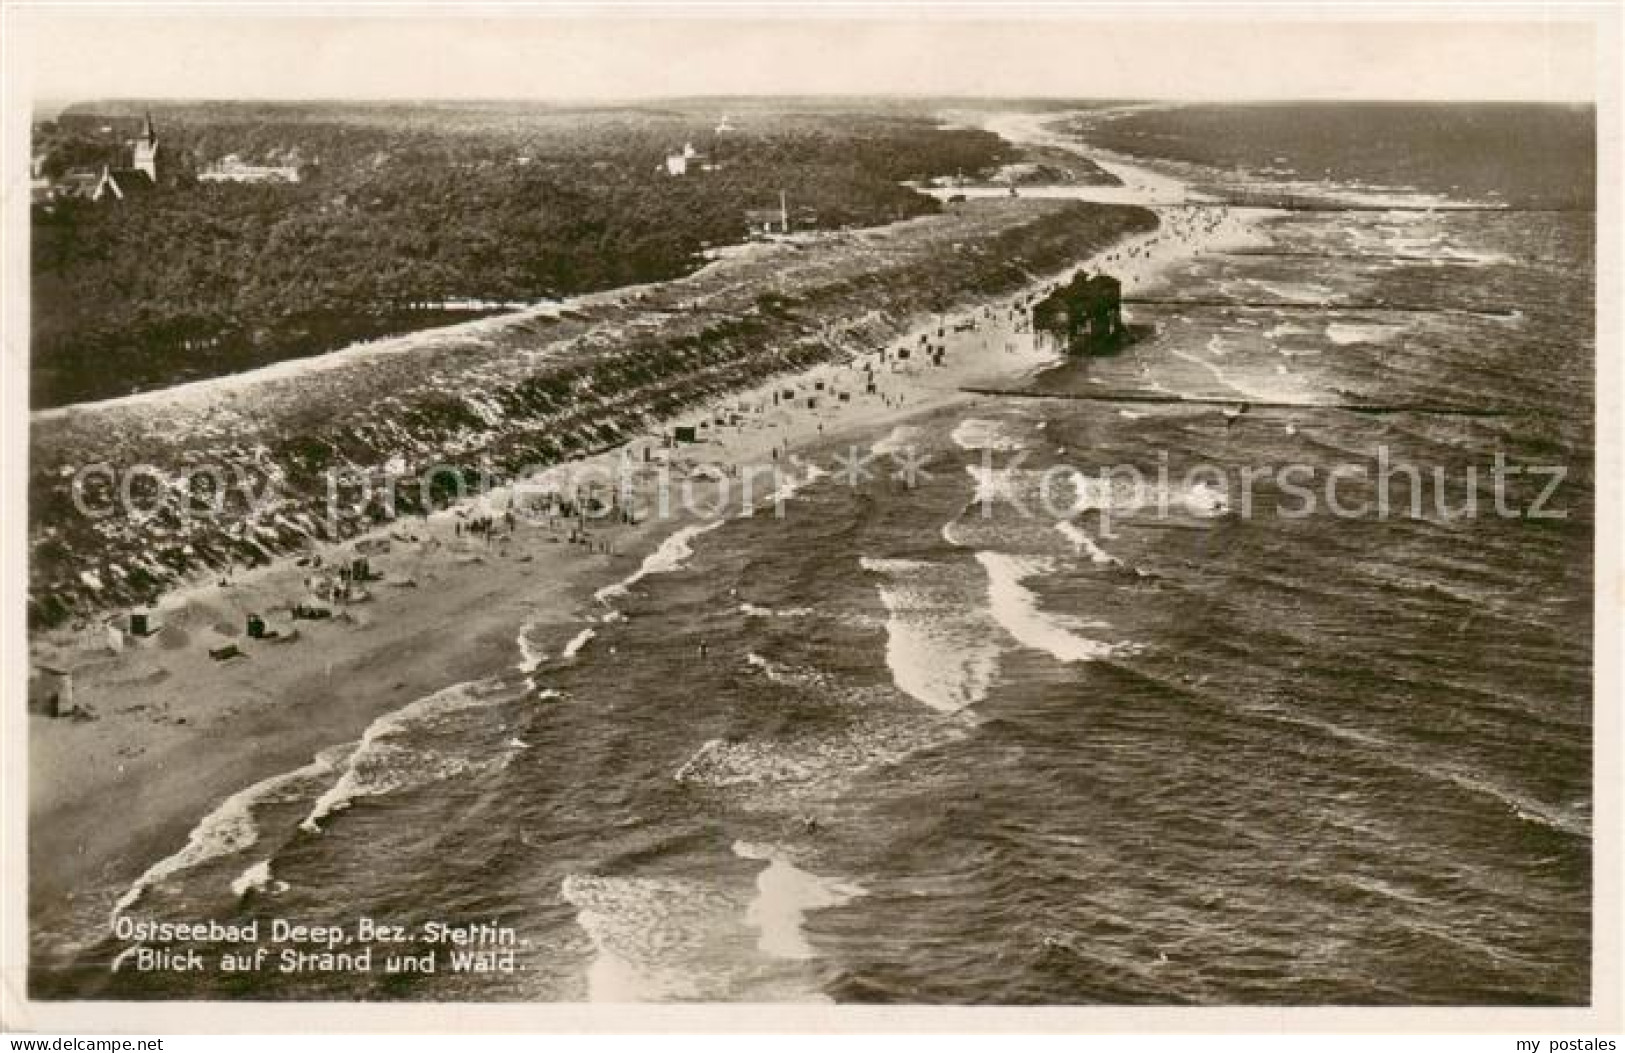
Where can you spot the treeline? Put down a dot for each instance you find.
(399, 206)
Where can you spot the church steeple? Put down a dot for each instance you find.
(144, 151)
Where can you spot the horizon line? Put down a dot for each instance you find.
(643, 100)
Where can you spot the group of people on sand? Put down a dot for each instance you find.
(483, 526)
(860, 375)
(1184, 227)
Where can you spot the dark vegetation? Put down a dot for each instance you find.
(403, 205)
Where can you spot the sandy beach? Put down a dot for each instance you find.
(173, 732)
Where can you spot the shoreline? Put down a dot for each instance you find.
(181, 753)
(526, 394)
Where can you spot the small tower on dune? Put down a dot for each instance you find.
(144, 150)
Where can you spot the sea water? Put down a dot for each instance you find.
(941, 751)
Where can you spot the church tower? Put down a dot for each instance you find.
(144, 150)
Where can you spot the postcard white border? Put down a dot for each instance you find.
(18, 1013)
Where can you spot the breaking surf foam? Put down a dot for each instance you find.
(381, 763)
(671, 555)
(1016, 608)
(974, 433)
(936, 645)
(579, 641)
(772, 670)
(903, 437)
(660, 938)
(1344, 334)
(785, 894)
(530, 656)
(230, 828)
(256, 878)
(791, 486)
(751, 610)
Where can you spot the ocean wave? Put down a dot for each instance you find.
(751, 610)
(937, 646)
(257, 878)
(779, 674)
(1065, 492)
(721, 764)
(1281, 329)
(1412, 245)
(1526, 807)
(784, 895)
(577, 642)
(230, 828)
(531, 657)
(1083, 544)
(975, 433)
(1202, 363)
(1059, 490)
(791, 486)
(901, 438)
(1062, 492)
(1295, 292)
(1345, 333)
(379, 766)
(1015, 607)
(670, 556)
(775, 773)
(653, 938)
(1471, 257)
(1571, 821)
(1204, 499)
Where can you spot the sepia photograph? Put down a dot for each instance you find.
(1048, 507)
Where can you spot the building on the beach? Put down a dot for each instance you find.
(1084, 316)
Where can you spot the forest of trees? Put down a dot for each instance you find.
(399, 205)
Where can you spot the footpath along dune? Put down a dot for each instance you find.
(174, 732)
